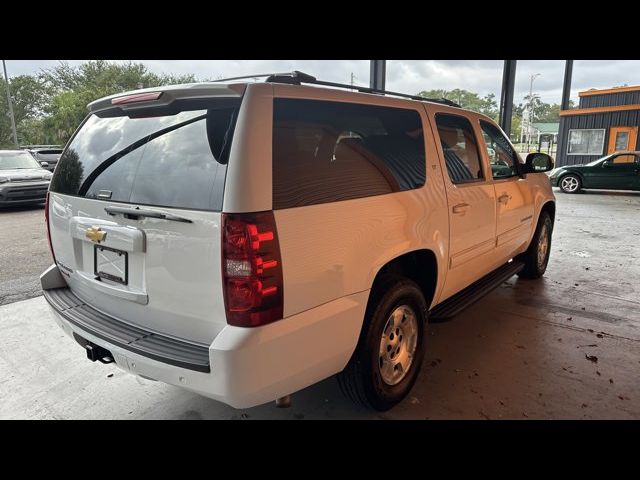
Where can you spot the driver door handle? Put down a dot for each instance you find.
(504, 198)
(461, 208)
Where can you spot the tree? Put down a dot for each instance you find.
(516, 123)
(28, 99)
(486, 105)
(69, 90)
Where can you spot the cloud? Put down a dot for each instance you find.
(410, 76)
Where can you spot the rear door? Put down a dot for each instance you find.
(471, 201)
(617, 172)
(135, 206)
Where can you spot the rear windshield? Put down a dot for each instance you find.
(48, 154)
(177, 159)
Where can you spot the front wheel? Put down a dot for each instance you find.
(389, 354)
(570, 184)
(536, 257)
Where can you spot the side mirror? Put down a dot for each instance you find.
(44, 164)
(538, 163)
(607, 164)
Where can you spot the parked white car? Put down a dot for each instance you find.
(247, 240)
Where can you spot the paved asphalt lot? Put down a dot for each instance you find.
(519, 353)
(24, 252)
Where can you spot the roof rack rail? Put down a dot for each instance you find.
(296, 78)
(243, 77)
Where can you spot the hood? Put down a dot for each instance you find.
(24, 174)
(565, 168)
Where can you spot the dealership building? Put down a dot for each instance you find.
(605, 121)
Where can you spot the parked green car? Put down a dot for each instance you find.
(618, 171)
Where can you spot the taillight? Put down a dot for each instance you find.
(46, 220)
(136, 97)
(251, 269)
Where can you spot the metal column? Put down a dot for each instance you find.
(378, 74)
(566, 86)
(506, 95)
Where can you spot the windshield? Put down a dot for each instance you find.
(17, 160)
(595, 162)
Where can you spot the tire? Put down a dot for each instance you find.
(374, 379)
(570, 183)
(536, 258)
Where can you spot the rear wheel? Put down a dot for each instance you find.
(389, 354)
(570, 184)
(536, 257)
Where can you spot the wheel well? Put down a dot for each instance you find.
(550, 208)
(575, 174)
(420, 266)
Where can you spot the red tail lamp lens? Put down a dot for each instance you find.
(136, 97)
(252, 269)
(46, 220)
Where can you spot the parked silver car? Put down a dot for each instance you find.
(22, 179)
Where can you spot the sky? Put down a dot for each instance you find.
(407, 76)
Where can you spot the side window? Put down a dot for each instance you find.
(623, 159)
(460, 148)
(502, 157)
(332, 151)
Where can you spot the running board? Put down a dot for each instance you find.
(474, 292)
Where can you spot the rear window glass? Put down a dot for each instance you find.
(173, 160)
(332, 151)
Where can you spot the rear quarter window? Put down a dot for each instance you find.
(173, 160)
(332, 151)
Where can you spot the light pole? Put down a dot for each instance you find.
(13, 120)
(529, 129)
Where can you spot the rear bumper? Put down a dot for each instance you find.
(246, 366)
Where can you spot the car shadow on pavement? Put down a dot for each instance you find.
(22, 208)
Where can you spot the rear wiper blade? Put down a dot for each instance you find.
(137, 212)
(84, 188)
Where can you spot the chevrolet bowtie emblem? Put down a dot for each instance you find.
(95, 234)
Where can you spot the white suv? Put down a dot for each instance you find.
(247, 240)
